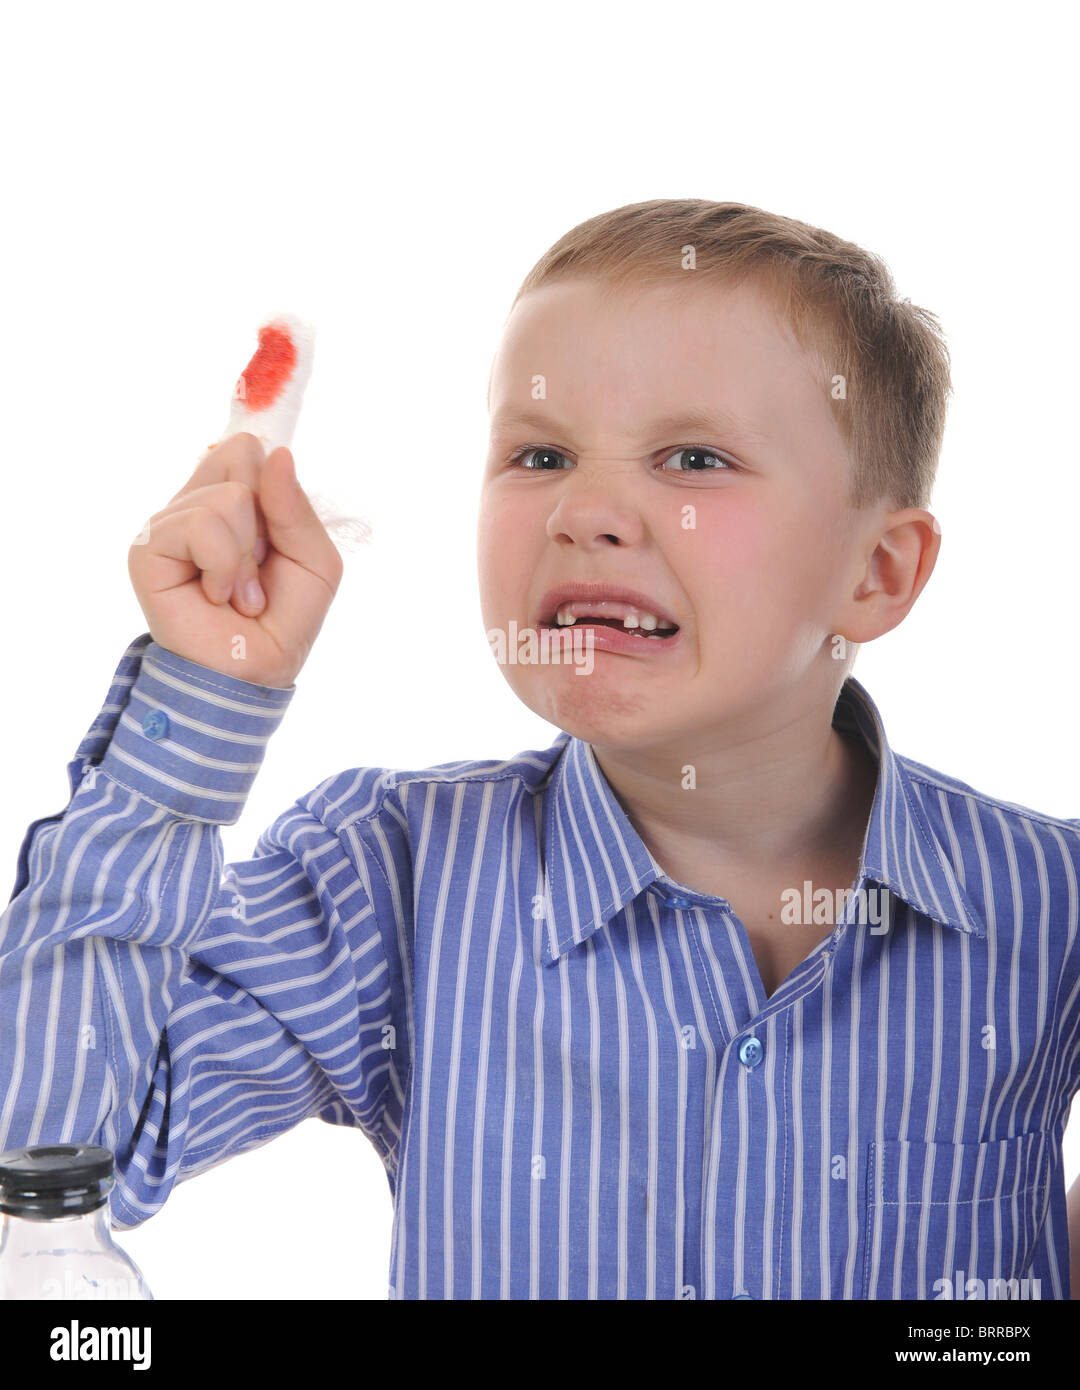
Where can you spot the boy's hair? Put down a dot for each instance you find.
(841, 304)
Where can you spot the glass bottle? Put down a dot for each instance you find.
(55, 1240)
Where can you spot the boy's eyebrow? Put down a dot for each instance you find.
(688, 420)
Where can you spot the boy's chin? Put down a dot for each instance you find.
(596, 710)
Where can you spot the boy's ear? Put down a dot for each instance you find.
(899, 562)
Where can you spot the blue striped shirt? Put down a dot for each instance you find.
(567, 1061)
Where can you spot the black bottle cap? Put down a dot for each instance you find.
(45, 1181)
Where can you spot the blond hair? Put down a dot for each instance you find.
(841, 304)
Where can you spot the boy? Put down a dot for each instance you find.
(717, 997)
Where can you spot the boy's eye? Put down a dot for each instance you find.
(544, 457)
(697, 459)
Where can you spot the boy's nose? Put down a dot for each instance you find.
(595, 518)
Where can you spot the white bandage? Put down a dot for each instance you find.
(270, 390)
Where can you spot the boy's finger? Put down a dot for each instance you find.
(241, 457)
(292, 524)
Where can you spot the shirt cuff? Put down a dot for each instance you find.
(188, 738)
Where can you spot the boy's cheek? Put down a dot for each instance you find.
(750, 546)
(730, 550)
(500, 549)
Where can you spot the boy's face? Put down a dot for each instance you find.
(753, 561)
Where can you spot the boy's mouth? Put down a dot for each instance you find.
(613, 619)
(618, 637)
(613, 624)
(641, 625)
(608, 605)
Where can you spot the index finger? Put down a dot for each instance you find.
(239, 458)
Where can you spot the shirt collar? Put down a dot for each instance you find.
(596, 863)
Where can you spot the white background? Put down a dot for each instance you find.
(172, 174)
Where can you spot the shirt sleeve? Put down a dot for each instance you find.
(151, 1002)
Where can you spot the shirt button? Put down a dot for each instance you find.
(674, 901)
(751, 1053)
(155, 724)
(742, 1295)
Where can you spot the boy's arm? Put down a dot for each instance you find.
(146, 1004)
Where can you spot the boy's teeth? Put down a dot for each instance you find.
(646, 621)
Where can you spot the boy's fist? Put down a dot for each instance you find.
(238, 553)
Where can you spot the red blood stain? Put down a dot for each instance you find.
(267, 374)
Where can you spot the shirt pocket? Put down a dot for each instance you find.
(937, 1211)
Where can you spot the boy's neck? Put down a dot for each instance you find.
(793, 803)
